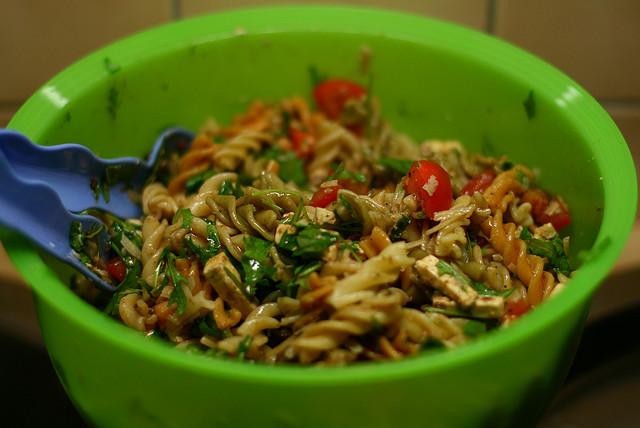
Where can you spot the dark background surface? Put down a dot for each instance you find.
(601, 390)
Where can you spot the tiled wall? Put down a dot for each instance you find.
(596, 42)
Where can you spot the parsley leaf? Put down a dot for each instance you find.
(166, 265)
(207, 325)
(291, 167)
(474, 328)
(552, 250)
(341, 173)
(213, 244)
(481, 289)
(130, 284)
(187, 217)
(310, 241)
(229, 188)
(253, 263)
(431, 343)
(399, 227)
(78, 241)
(243, 347)
(399, 165)
(192, 185)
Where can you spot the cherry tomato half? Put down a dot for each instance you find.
(331, 95)
(515, 309)
(117, 268)
(302, 143)
(545, 209)
(479, 183)
(432, 185)
(324, 196)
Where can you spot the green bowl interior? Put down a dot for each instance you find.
(433, 79)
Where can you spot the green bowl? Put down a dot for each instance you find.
(434, 80)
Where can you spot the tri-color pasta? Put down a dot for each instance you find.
(321, 235)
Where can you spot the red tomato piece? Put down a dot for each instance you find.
(302, 143)
(117, 268)
(556, 213)
(479, 183)
(331, 95)
(355, 186)
(547, 210)
(324, 196)
(515, 309)
(432, 184)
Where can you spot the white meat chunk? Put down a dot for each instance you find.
(218, 271)
(449, 285)
(442, 302)
(281, 229)
(321, 215)
(488, 307)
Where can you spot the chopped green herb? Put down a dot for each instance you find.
(474, 328)
(243, 347)
(187, 217)
(113, 101)
(130, 284)
(316, 77)
(481, 289)
(378, 328)
(214, 246)
(486, 147)
(192, 185)
(552, 250)
(256, 272)
(78, 240)
(453, 312)
(110, 66)
(207, 325)
(300, 274)
(229, 188)
(445, 268)
(166, 265)
(310, 241)
(530, 106)
(431, 343)
(341, 173)
(291, 167)
(119, 229)
(399, 165)
(399, 227)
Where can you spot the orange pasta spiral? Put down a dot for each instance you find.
(528, 267)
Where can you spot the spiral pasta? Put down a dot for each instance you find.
(298, 235)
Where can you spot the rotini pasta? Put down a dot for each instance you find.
(324, 236)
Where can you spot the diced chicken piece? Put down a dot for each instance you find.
(218, 271)
(443, 302)
(488, 307)
(449, 285)
(281, 229)
(330, 254)
(546, 231)
(320, 215)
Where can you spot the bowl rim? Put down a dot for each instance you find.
(586, 113)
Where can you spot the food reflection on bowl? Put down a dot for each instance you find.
(433, 80)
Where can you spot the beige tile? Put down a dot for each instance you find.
(471, 13)
(627, 117)
(7, 111)
(597, 43)
(38, 38)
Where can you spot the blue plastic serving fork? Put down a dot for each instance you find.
(41, 187)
